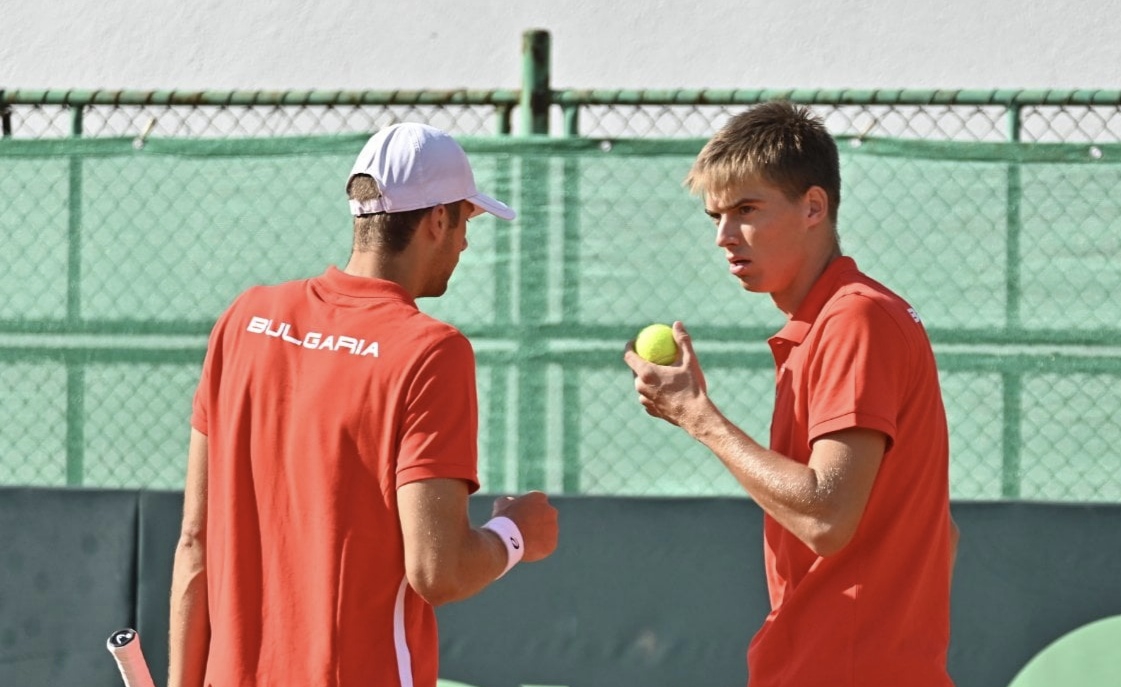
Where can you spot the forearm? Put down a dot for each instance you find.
(189, 627)
(446, 559)
(480, 561)
(792, 493)
(453, 572)
(820, 501)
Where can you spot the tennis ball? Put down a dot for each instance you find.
(655, 343)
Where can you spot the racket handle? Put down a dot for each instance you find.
(125, 647)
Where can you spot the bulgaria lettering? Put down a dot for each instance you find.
(316, 341)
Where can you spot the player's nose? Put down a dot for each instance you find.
(726, 234)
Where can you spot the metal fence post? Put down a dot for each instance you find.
(1012, 380)
(75, 369)
(498, 440)
(536, 96)
(1012, 224)
(531, 314)
(502, 120)
(572, 417)
(532, 305)
(532, 286)
(5, 116)
(571, 120)
(77, 113)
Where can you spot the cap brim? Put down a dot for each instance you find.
(495, 207)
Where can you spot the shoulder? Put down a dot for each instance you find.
(424, 326)
(864, 298)
(436, 351)
(427, 335)
(864, 308)
(274, 292)
(268, 293)
(258, 299)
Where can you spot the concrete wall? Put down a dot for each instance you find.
(382, 44)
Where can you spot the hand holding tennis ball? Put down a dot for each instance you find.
(676, 394)
(655, 343)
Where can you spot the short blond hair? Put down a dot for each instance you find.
(389, 230)
(783, 144)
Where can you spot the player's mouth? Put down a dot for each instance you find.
(738, 266)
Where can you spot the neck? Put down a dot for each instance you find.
(375, 265)
(790, 300)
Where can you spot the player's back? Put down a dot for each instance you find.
(307, 389)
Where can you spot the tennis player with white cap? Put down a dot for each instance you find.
(333, 449)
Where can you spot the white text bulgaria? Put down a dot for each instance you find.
(312, 340)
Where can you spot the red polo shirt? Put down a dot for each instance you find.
(877, 613)
(319, 399)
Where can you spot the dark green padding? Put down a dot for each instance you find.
(67, 580)
(642, 592)
(1027, 574)
(667, 592)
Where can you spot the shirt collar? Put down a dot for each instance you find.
(796, 329)
(352, 286)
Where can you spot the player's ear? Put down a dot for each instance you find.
(816, 204)
(442, 214)
(433, 223)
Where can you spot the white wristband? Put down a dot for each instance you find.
(511, 537)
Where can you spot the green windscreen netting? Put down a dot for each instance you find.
(118, 259)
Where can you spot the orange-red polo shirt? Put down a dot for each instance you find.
(877, 613)
(319, 398)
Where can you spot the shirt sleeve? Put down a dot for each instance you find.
(211, 375)
(859, 370)
(439, 435)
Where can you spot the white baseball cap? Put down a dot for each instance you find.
(419, 166)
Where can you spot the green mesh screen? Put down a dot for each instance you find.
(118, 259)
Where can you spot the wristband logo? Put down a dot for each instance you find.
(515, 543)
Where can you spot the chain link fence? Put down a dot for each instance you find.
(133, 218)
(1036, 123)
(966, 116)
(54, 114)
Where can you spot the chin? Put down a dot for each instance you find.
(750, 286)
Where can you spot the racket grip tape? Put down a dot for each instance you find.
(125, 646)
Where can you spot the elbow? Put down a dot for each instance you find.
(829, 538)
(828, 545)
(192, 542)
(190, 551)
(432, 586)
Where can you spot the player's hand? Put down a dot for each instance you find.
(536, 518)
(676, 392)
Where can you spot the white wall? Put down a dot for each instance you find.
(414, 44)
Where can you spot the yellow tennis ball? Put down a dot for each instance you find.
(655, 343)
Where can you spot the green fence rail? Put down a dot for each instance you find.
(131, 221)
